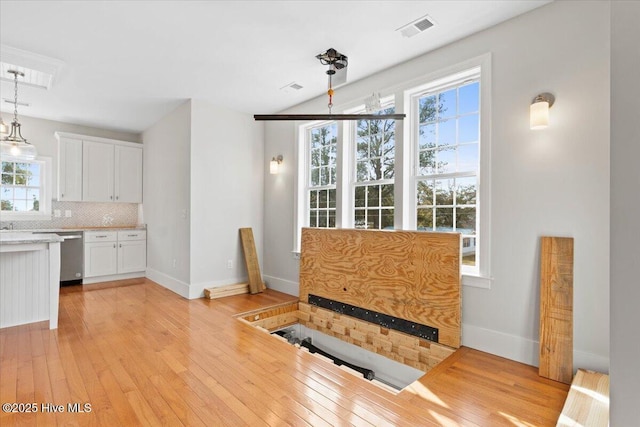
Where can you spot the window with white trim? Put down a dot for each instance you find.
(430, 172)
(321, 184)
(446, 119)
(373, 184)
(25, 191)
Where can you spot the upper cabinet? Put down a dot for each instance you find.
(69, 169)
(92, 169)
(128, 174)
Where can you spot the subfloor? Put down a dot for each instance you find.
(139, 354)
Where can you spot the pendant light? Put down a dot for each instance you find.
(14, 144)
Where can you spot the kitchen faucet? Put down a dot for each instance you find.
(8, 227)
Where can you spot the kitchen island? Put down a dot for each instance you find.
(29, 278)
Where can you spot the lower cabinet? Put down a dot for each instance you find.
(108, 253)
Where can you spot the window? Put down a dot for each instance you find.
(447, 121)
(374, 173)
(24, 193)
(430, 172)
(321, 189)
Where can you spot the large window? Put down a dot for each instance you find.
(430, 172)
(321, 189)
(24, 193)
(447, 120)
(374, 173)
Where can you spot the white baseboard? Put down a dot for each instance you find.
(523, 350)
(99, 279)
(179, 287)
(282, 285)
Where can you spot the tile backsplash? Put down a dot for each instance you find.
(83, 214)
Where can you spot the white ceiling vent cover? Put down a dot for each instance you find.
(416, 27)
(291, 87)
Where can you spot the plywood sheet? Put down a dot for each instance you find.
(408, 274)
(556, 308)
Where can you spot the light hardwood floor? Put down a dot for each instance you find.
(141, 355)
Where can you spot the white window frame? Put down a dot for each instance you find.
(480, 276)
(350, 129)
(45, 192)
(404, 176)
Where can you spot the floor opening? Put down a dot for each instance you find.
(382, 371)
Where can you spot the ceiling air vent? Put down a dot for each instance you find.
(291, 87)
(416, 27)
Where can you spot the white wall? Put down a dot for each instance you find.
(40, 133)
(625, 212)
(166, 201)
(227, 168)
(551, 182)
(203, 169)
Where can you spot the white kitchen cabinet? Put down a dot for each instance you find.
(100, 253)
(132, 251)
(111, 253)
(92, 169)
(98, 160)
(70, 170)
(128, 174)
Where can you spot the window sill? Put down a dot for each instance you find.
(476, 281)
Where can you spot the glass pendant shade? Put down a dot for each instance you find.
(13, 144)
(22, 151)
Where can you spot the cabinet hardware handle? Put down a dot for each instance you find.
(120, 244)
(114, 245)
(116, 197)
(100, 237)
(111, 197)
(132, 235)
(61, 195)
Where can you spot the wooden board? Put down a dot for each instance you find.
(556, 308)
(407, 274)
(226, 291)
(251, 261)
(587, 403)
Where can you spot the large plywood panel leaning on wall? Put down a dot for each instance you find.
(407, 274)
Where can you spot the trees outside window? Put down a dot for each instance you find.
(21, 182)
(374, 173)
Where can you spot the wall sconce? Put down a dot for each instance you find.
(274, 164)
(539, 110)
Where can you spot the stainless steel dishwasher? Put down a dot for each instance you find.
(71, 257)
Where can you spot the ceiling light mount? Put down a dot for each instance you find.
(336, 62)
(14, 144)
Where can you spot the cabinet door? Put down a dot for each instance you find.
(132, 256)
(100, 259)
(97, 171)
(70, 170)
(128, 174)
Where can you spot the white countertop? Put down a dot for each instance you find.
(22, 237)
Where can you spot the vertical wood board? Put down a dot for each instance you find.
(251, 261)
(407, 274)
(556, 308)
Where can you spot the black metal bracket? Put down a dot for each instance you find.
(391, 322)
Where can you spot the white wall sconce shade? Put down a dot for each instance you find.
(539, 111)
(274, 164)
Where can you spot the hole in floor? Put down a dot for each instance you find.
(382, 371)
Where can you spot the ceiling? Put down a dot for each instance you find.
(124, 65)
